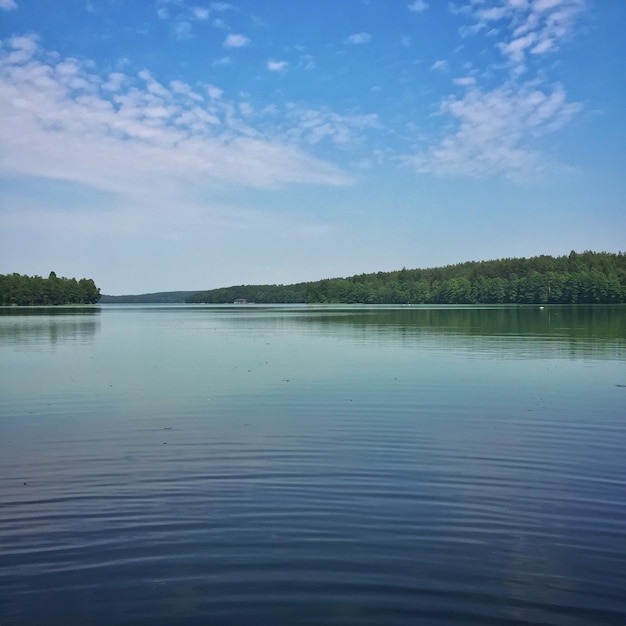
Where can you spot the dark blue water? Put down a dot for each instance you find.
(313, 465)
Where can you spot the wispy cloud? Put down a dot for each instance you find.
(465, 81)
(8, 5)
(358, 38)
(489, 128)
(418, 6)
(182, 88)
(222, 6)
(114, 82)
(21, 49)
(527, 27)
(132, 134)
(215, 93)
(236, 41)
(307, 62)
(163, 8)
(441, 65)
(496, 132)
(316, 125)
(222, 61)
(201, 13)
(181, 16)
(182, 29)
(277, 66)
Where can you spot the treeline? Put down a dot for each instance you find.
(159, 297)
(578, 278)
(20, 290)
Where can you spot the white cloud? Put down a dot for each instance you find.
(22, 49)
(542, 46)
(358, 38)
(467, 31)
(277, 66)
(307, 62)
(182, 88)
(181, 16)
(418, 6)
(536, 27)
(131, 134)
(236, 41)
(493, 13)
(222, 61)
(201, 13)
(215, 93)
(182, 30)
(465, 81)
(441, 65)
(496, 132)
(8, 5)
(516, 49)
(545, 5)
(115, 81)
(316, 125)
(153, 85)
(163, 10)
(222, 6)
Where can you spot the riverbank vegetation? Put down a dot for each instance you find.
(21, 290)
(578, 278)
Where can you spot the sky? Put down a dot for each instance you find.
(161, 145)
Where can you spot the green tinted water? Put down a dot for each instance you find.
(318, 464)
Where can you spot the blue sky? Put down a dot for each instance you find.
(175, 144)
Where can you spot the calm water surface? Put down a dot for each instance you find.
(313, 465)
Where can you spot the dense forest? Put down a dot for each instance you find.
(578, 278)
(159, 297)
(19, 290)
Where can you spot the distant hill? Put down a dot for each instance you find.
(160, 297)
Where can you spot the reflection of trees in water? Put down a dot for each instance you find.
(47, 325)
(520, 332)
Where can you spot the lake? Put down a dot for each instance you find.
(313, 465)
